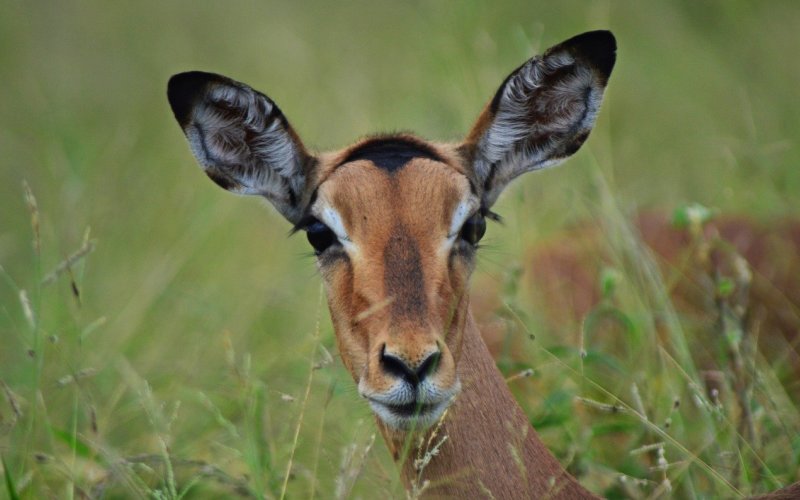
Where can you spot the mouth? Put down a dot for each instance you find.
(409, 416)
(410, 409)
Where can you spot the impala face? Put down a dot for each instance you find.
(395, 220)
(394, 225)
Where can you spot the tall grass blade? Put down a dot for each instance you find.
(10, 488)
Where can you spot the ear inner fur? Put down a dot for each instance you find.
(542, 113)
(242, 139)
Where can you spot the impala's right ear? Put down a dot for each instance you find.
(242, 140)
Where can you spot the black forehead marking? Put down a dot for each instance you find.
(392, 153)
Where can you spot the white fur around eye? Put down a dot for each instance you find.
(460, 215)
(331, 218)
(462, 212)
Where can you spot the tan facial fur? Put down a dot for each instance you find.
(397, 287)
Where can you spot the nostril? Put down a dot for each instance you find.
(395, 366)
(398, 367)
(429, 366)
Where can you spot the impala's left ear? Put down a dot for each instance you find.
(542, 113)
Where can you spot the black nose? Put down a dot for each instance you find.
(396, 366)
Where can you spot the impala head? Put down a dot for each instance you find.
(395, 220)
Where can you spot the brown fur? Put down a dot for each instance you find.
(790, 492)
(398, 277)
(485, 430)
(485, 427)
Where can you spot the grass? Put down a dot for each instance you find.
(159, 338)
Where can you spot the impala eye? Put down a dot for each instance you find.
(473, 229)
(320, 236)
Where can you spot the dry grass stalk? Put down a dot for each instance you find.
(352, 467)
(33, 208)
(203, 469)
(647, 448)
(604, 407)
(426, 452)
(13, 402)
(526, 373)
(309, 381)
(86, 248)
(320, 432)
(75, 377)
(327, 358)
(27, 310)
(637, 401)
(374, 309)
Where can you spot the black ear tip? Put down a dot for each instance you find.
(184, 89)
(599, 48)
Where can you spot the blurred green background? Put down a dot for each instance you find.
(196, 315)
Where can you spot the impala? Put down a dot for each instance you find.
(395, 222)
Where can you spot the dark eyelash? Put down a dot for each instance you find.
(491, 215)
(302, 224)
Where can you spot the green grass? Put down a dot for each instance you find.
(173, 359)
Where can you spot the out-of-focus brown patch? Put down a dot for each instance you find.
(564, 280)
(564, 272)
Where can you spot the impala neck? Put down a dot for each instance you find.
(489, 446)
